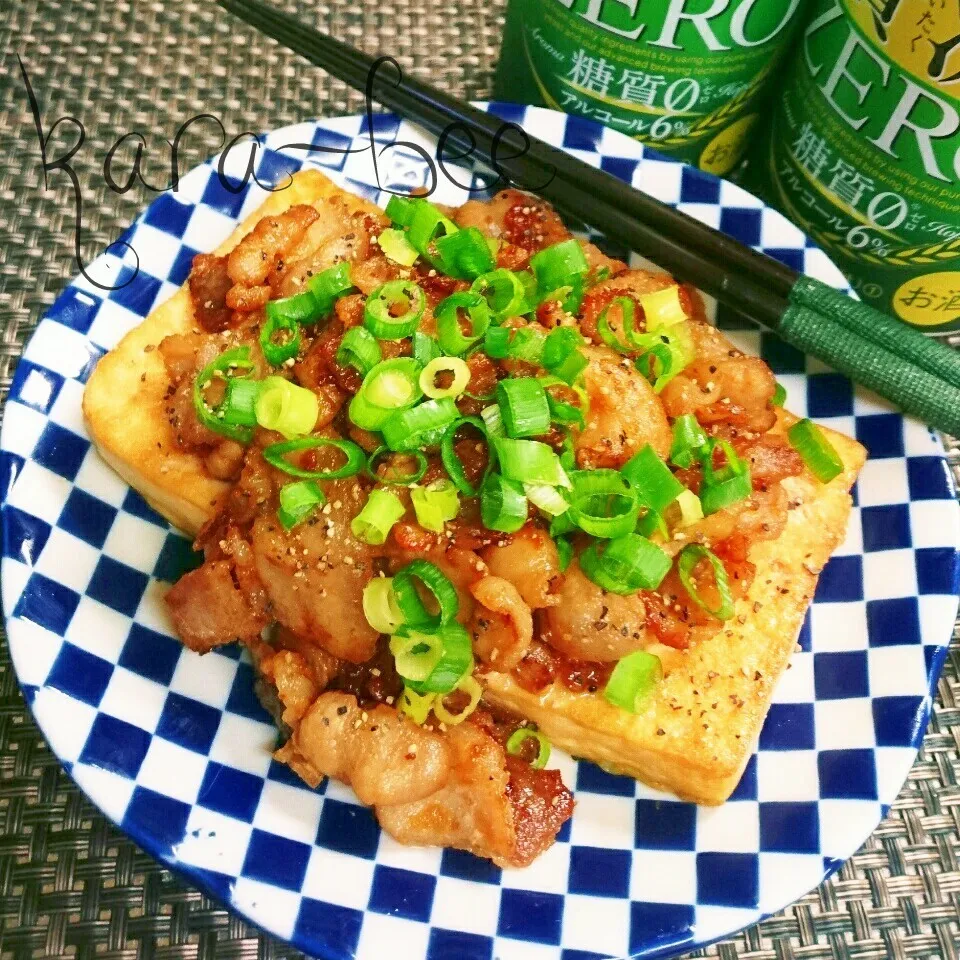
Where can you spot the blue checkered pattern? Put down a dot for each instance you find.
(175, 748)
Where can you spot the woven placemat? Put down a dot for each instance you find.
(70, 883)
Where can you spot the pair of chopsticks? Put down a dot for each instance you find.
(917, 374)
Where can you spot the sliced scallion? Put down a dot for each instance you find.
(225, 367)
(472, 689)
(523, 407)
(374, 522)
(408, 597)
(690, 557)
(435, 504)
(603, 503)
(634, 678)
(689, 440)
(390, 476)
(625, 564)
(420, 426)
(452, 365)
(818, 453)
(656, 486)
(359, 349)
(380, 606)
(476, 312)
(298, 500)
(503, 505)
(380, 314)
(354, 457)
(517, 739)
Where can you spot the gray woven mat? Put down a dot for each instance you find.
(70, 883)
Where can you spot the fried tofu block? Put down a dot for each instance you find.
(700, 727)
(123, 404)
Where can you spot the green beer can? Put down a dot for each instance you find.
(863, 151)
(683, 75)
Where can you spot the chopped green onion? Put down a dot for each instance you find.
(504, 292)
(689, 439)
(603, 503)
(565, 414)
(560, 265)
(564, 552)
(297, 501)
(287, 408)
(726, 485)
(415, 654)
(779, 395)
(519, 737)
(562, 412)
(530, 461)
(817, 452)
(378, 316)
(359, 349)
(390, 386)
(608, 335)
(380, 606)
(561, 355)
(329, 285)
(455, 663)
(400, 209)
(546, 498)
(397, 247)
(300, 308)
(691, 509)
(465, 254)
(375, 521)
(279, 335)
(240, 403)
(626, 564)
(426, 225)
(663, 308)
(523, 407)
(355, 459)
(467, 685)
(494, 421)
(454, 365)
(420, 426)
(223, 367)
(452, 462)
(403, 479)
(415, 705)
(559, 343)
(452, 339)
(689, 557)
(634, 678)
(425, 348)
(656, 486)
(408, 597)
(667, 358)
(435, 504)
(568, 454)
(503, 505)
(650, 523)
(517, 343)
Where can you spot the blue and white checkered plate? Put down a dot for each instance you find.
(175, 748)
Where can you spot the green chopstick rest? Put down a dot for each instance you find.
(914, 389)
(893, 335)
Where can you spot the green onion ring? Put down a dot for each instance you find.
(356, 459)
